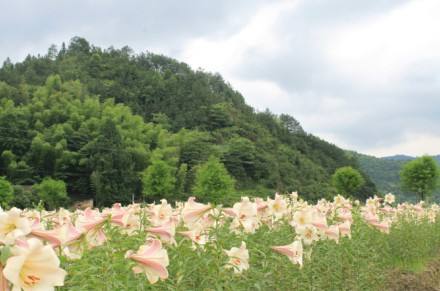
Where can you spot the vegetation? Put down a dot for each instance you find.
(385, 173)
(6, 192)
(52, 192)
(158, 180)
(98, 118)
(260, 244)
(421, 176)
(347, 181)
(213, 182)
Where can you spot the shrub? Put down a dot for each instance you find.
(213, 181)
(24, 198)
(158, 180)
(52, 192)
(347, 180)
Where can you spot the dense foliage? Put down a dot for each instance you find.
(347, 181)
(6, 192)
(213, 182)
(98, 118)
(52, 192)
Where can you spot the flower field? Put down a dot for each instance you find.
(282, 243)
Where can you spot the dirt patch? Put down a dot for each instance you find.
(428, 280)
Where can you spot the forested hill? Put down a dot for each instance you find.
(97, 118)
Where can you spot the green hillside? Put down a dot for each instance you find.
(97, 118)
(385, 173)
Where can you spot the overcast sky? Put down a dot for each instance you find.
(363, 74)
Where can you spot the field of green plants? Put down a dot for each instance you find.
(280, 243)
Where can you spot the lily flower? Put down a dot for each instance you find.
(152, 260)
(307, 233)
(332, 232)
(389, 198)
(196, 235)
(238, 258)
(302, 218)
(61, 235)
(13, 226)
(294, 252)
(165, 232)
(277, 207)
(160, 214)
(33, 266)
(345, 229)
(193, 211)
(91, 223)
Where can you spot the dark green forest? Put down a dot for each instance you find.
(101, 119)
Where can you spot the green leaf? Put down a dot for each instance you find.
(5, 254)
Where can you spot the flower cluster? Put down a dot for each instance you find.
(31, 241)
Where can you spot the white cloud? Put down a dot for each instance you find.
(222, 54)
(382, 48)
(415, 144)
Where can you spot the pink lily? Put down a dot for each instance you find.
(152, 260)
(332, 232)
(294, 252)
(61, 235)
(345, 229)
(165, 232)
(193, 211)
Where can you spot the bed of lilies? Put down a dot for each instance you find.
(281, 243)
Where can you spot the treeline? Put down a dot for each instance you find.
(102, 120)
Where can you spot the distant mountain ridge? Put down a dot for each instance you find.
(406, 158)
(399, 158)
(385, 172)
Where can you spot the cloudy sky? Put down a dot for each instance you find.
(364, 75)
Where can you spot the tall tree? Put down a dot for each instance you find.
(420, 176)
(113, 177)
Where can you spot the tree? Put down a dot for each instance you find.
(24, 197)
(213, 181)
(347, 180)
(6, 192)
(291, 124)
(162, 119)
(240, 158)
(218, 116)
(181, 177)
(113, 177)
(52, 192)
(420, 176)
(158, 180)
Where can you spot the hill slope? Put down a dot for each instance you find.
(96, 118)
